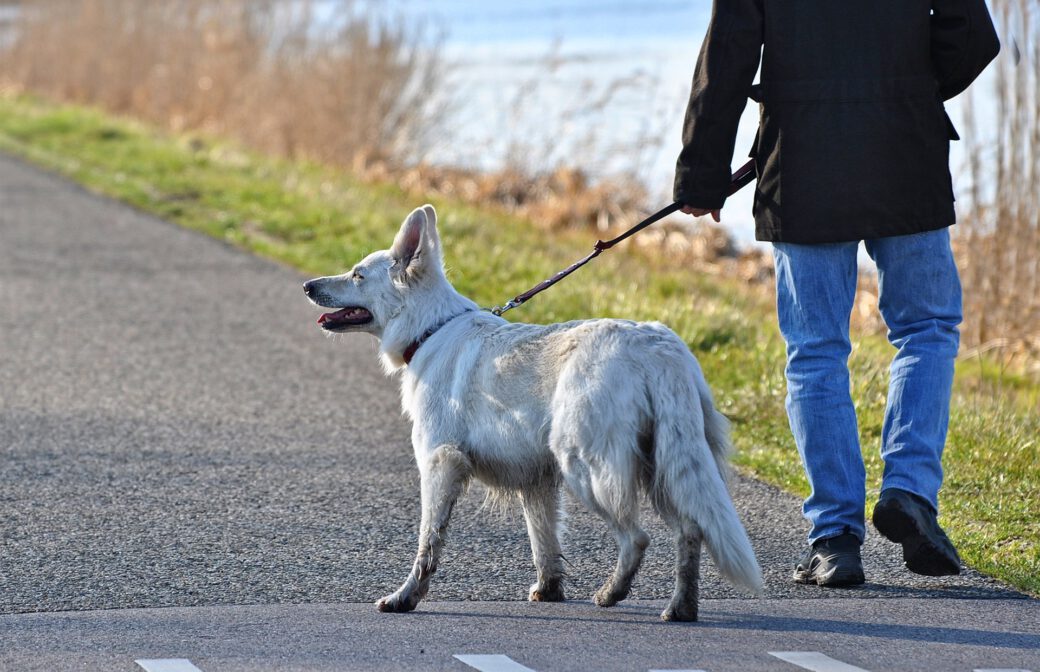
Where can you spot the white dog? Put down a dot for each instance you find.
(611, 408)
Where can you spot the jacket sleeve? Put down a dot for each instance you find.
(964, 41)
(722, 81)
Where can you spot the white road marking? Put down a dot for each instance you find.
(167, 665)
(809, 660)
(494, 663)
(817, 662)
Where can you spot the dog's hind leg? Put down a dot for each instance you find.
(632, 542)
(683, 606)
(620, 510)
(688, 541)
(443, 478)
(542, 512)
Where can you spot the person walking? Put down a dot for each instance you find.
(852, 145)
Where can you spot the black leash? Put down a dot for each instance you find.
(744, 176)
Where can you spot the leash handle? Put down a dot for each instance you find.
(744, 175)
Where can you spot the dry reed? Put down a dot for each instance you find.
(998, 241)
(342, 89)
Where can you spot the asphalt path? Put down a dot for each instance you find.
(177, 432)
(732, 635)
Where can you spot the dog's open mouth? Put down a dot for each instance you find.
(345, 318)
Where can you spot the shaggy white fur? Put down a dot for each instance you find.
(613, 409)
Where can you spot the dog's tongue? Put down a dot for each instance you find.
(338, 315)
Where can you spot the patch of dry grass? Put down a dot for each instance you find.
(344, 89)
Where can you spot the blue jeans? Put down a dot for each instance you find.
(920, 301)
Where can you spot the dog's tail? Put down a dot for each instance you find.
(691, 472)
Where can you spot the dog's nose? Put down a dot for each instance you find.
(308, 287)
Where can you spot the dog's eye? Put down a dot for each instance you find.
(358, 277)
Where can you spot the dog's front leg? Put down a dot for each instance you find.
(443, 476)
(542, 511)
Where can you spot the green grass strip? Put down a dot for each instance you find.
(320, 220)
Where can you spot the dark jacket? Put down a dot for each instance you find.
(853, 140)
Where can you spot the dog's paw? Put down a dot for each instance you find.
(608, 596)
(550, 592)
(396, 604)
(679, 612)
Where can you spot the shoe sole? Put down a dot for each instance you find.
(831, 579)
(920, 553)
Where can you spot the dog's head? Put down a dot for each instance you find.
(377, 289)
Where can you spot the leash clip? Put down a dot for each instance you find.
(498, 310)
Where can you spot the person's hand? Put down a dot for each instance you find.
(700, 212)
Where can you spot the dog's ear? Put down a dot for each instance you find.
(409, 245)
(432, 237)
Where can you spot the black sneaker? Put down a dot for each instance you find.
(831, 562)
(907, 519)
